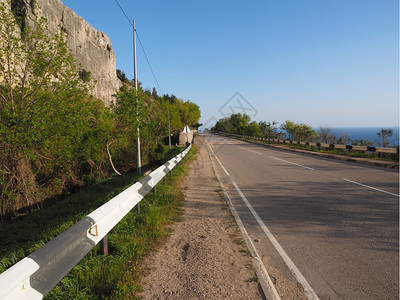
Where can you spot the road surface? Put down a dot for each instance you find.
(328, 225)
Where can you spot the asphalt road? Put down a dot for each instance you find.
(336, 222)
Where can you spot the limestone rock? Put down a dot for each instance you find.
(92, 49)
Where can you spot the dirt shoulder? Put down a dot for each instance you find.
(205, 256)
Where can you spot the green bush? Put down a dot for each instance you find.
(54, 136)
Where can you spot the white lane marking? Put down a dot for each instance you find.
(370, 187)
(226, 172)
(292, 267)
(250, 150)
(265, 280)
(310, 293)
(292, 163)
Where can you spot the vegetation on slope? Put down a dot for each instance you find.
(116, 275)
(54, 136)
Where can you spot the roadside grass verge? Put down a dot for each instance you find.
(116, 275)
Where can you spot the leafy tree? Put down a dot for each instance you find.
(53, 134)
(171, 98)
(299, 132)
(189, 112)
(253, 129)
(305, 132)
(122, 76)
(169, 115)
(154, 93)
(268, 129)
(44, 109)
(290, 129)
(194, 114)
(129, 113)
(222, 125)
(239, 123)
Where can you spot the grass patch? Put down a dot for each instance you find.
(254, 279)
(117, 275)
(245, 251)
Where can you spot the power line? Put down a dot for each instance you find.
(141, 46)
(151, 69)
(120, 7)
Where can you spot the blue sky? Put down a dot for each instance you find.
(320, 62)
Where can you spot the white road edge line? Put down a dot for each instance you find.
(266, 283)
(370, 187)
(251, 150)
(310, 293)
(226, 172)
(292, 163)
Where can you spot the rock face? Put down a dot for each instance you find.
(92, 49)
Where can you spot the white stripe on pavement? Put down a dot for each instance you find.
(226, 172)
(310, 293)
(370, 187)
(292, 163)
(250, 150)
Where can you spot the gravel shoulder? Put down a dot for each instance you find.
(205, 256)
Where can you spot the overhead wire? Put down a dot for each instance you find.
(141, 46)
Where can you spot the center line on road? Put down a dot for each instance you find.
(292, 163)
(250, 150)
(370, 187)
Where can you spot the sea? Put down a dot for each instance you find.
(368, 133)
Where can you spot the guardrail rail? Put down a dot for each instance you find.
(35, 275)
(378, 150)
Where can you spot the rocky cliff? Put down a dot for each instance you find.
(92, 49)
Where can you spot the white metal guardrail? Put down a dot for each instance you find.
(35, 275)
(323, 145)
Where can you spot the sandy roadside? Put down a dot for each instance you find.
(205, 256)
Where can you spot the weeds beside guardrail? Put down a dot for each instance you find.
(35, 275)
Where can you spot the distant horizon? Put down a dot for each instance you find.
(315, 62)
(324, 125)
(366, 127)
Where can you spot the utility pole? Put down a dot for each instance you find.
(139, 161)
(169, 129)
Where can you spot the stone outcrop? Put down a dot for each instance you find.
(92, 49)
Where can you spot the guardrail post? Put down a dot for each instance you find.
(154, 190)
(104, 245)
(57, 258)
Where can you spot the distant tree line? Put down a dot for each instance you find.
(241, 124)
(54, 136)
